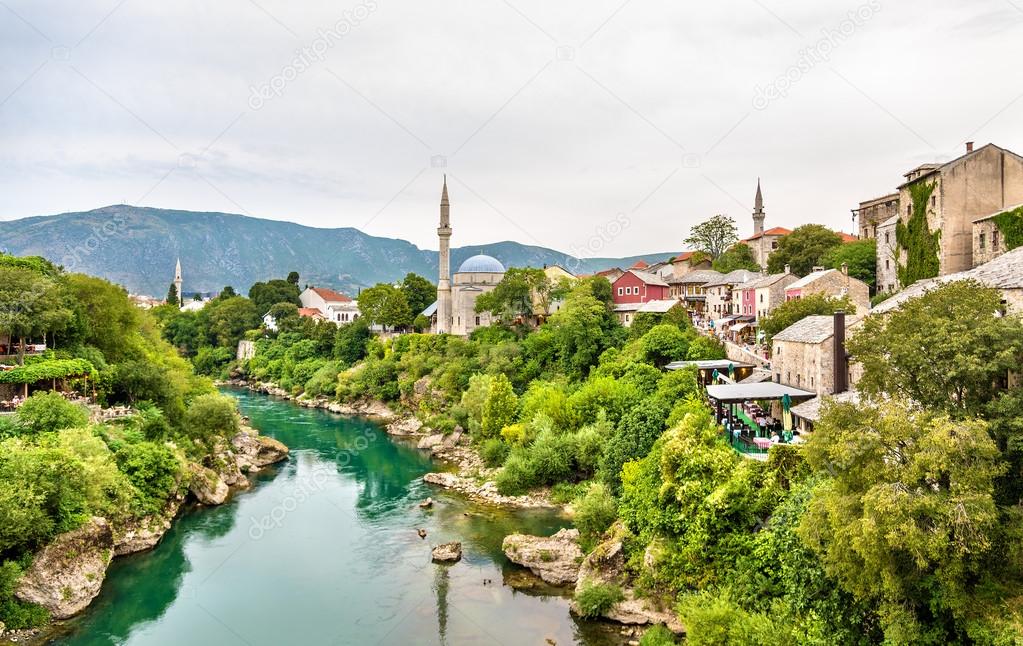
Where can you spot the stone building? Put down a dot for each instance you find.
(988, 240)
(873, 212)
(887, 274)
(688, 261)
(769, 292)
(803, 354)
(691, 289)
(719, 292)
(763, 242)
(981, 183)
(833, 283)
(455, 309)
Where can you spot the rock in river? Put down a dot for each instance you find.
(448, 552)
(555, 559)
(67, 574)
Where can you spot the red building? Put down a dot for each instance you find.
(635, 286)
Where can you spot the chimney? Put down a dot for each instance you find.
(969, 146)
(788, 270)
(841, 360)
(845, 268)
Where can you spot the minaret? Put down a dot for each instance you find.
(444, 279)
(758, 212)
(177, 281)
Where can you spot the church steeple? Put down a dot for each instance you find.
(758, 211)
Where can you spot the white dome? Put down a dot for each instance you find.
(481, 264)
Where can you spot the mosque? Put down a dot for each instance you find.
(455, 309)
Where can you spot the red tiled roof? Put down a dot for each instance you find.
(311, 312)
(846, 237)
(639, 264)
(774, 231)
(330, 295)
(605, 272)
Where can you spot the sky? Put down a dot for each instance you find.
(599, 128)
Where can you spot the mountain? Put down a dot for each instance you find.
(136, 247)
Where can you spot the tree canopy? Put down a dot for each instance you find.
(419, 292)
(264, 295)
(385, 304)
(803, 249)
(738, 256)
(514, 295)
(860, 257)
(713, 236)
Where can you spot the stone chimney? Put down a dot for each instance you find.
(969, 146)
(841, 360)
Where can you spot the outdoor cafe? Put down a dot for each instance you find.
(708, 371)
(756, 416)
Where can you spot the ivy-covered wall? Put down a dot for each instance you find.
(915, 238)
(1010, 224)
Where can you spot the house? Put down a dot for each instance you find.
(873, 212)
(689, 261)
(270, 323)
(690, 288)
(988, 240)
(663, 268)
(636, 286)
(333, 306)
(977, 184)
(804, 354)
(627, 312)
(769, 292)
(612, 274)
(887, 273)
(833, 283)
(1004, 273)
(719, 291)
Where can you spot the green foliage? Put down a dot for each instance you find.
(323, 381)
(154, 470)
(712, 619)
(594, 512)
(657, 636)
(713, 236)
(225, 320)
(550, 399)
(212, 361)
(499, 407)
(859, 256)
(1010, 223)
(48, 412)
(597, 598)
(350, 342)
(173, 298)
(210, 417)
(797, 309)
(514, 295)
(419, 292)
(387, 305)
(738, 256)
(494, 451)
(916, 240)
(266, 295)
(803, 249)
(47, 370)
(664, 344)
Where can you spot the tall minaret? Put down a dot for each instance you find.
(444, 279)
(177, 280)
(758, 212)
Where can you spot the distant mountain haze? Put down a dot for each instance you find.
(136, 247)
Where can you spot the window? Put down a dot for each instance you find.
(909, 209)
(811, 382)
(620, 290)
(477, 320)
(887, 263)
(761, 298)
(774, 244)
(982, 242)
(994, 240)
(934, 200)
(886, 240)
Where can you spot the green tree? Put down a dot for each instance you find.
(908, 497)
(499, 407)
(385, 304)
(227, 292)
(350, 341)
(860, 257)
(285, 316)
(803, 249)
(914, 238)
(264, 295)
(31, 304)
(48, 412)
(665, 343)
(293, 277)
(227, 320)
(713, 236)
(513, 296)
(107, 318)
(182, 331)
(210, 417)
(738, 256)
(791, 312)
(173, 297)
(419, 292)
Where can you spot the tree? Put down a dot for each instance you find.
(350, 341)
(48, 412)
(226, 321)
(499, 407)
(905, 518)
(859, 256)
(948, 350)
(285, 316)
(293, 277)
(513, 296)
(172, 295)
(274, 291)
(227, 292)
(182, 331)
(385, 304)
(31, 304)
(803, 249)
(419, 292)
(791, 312)
(738, 256)
(714, 236)
(665, 343)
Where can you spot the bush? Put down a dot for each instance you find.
(17, 615)
(211, 416)
(499, 407)
(657, 636)
(594, 513)
(494, 451)
(153, 469)
(212, 361)
(47, 412)
(596, 599)
(712, 619)
(323, 381)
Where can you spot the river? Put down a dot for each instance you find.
(324, 550)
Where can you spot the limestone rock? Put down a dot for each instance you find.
(486, 492)
(448, 552)
(254, 452)
(144, 533)
(431, 441)
(377, 409)
(405, 426)
(66, 575)
(555, 559)
(207, 486)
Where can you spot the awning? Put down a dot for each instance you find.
(740, 327)
(767, 390)
(721, 365)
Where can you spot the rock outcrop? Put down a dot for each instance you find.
(66, 575)
(144, 533)
(207, 486)
(448, 552)
(430, 441)
(254, 452)
(555, 559)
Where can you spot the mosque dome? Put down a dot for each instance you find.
(481, 264)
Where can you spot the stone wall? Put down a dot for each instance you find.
(887, 277)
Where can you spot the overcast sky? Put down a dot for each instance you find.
(553, 120)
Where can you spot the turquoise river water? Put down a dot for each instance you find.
(323, 550)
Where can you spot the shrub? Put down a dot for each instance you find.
(153, 469)
(17, 615)
(657, 636)
(596, 599)
(211, 416)
(323, 381)
(494, 451)
(712, 619)
(47, 412)
(499, 407)
(594, 513)
(517, 475)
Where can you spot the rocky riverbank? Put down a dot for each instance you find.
(67, 574)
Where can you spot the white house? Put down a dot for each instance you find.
(334, 306)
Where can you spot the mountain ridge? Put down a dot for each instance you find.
(137, 247)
